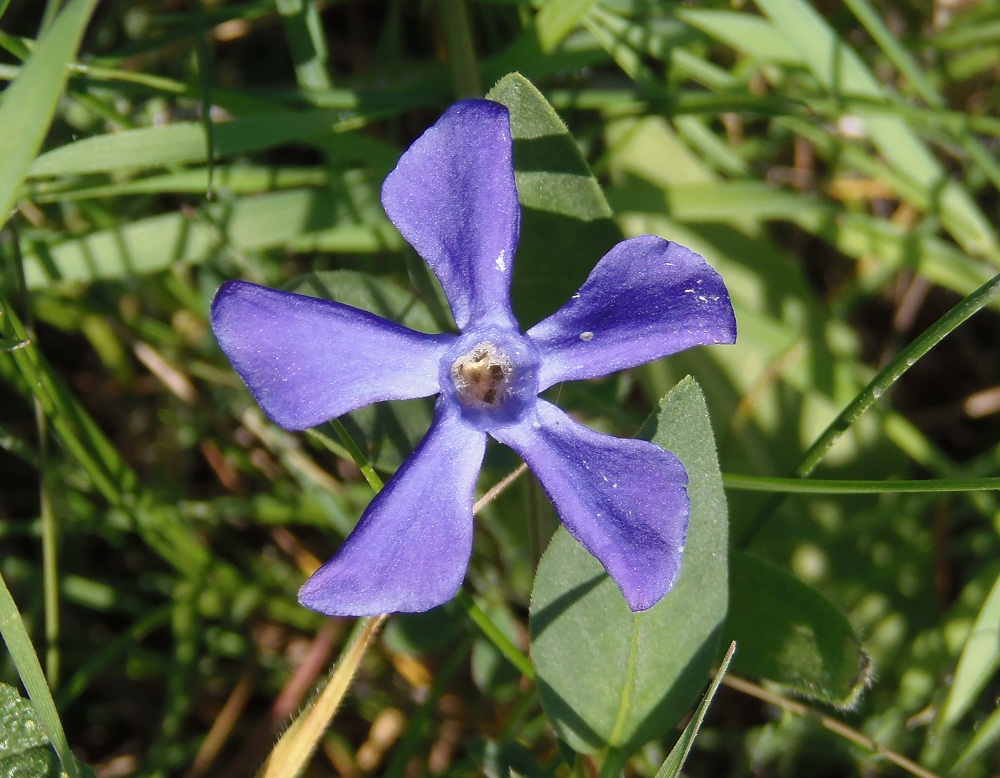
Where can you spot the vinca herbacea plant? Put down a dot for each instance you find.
(307, 360)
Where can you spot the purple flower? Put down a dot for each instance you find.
(307, 360)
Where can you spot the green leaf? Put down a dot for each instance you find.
(30, 102)
(986, 738)
(25, 749)
(671, 768)
(792, 635)
(181, 142)
(610, 678)
(305, 219)
(557, 19)
(841, 71)
(9, 344)
(566, 224)
(743, 31)
(28, 731)
(978, 663)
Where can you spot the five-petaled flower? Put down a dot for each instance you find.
(306, 360)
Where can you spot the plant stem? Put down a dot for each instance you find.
(878, 386)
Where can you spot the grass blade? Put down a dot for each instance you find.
(842, 72)
(679, 753)
(30, 101)
(30, 670)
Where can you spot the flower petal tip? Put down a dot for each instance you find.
(651, 593)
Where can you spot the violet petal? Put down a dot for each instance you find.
(411, 548)
(623, 499)
(452, 196)
(307, 360)
(646, 299)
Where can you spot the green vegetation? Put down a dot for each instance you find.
(837, 163)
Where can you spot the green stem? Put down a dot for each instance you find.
(357, 455)
(204, 79)
(613, 764)
(50, 545)
(892, 372)
(758, 483)
(492, 633)
(878, 386)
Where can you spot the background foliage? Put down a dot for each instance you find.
(836, 162)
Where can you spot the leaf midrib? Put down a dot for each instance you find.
(626, 696)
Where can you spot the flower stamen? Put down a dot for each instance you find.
(482, 377)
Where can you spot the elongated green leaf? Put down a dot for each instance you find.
(307, 42)
(153, 147)
(236, 179)
(792, 635)
(304, 219)
(978, 663)
(566, 224)
(671, 768)
(841, 71)
(612, 678)
(854, 234)
(29, 103)
(557, 19)
(715, 201)
(985, 740)
(24, 738)
(743, 31)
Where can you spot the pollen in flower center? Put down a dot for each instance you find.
(483, 376)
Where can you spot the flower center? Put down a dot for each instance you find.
(491, 375)
(483, 376)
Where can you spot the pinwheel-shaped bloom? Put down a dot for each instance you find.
(307, 360)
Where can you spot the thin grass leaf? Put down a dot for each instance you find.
(557, 19)
(205, 81)
(983, 742)
(895, 51)
(921, 84)
(306, 43)
(303, 219)
(878, 385)
(231, 179)
(745, 32)
(454, 16)
(841, 71)
(30, 671)
(756, 483)
(977, 664)
(896, 368)
(29, 103)
(678, 755)
(183, 142)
